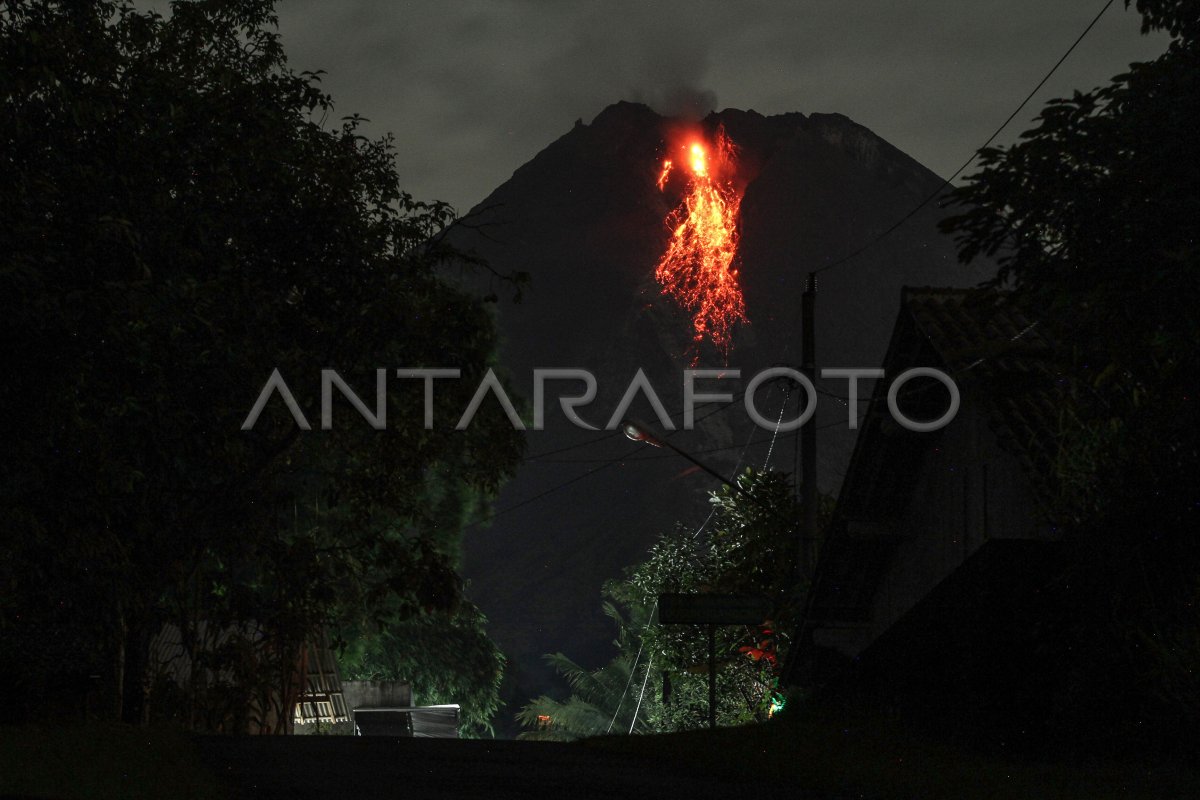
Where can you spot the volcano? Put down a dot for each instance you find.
(590, 218)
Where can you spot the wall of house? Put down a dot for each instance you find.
(968, 490)
(377, 694)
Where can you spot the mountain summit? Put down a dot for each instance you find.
(588, 220)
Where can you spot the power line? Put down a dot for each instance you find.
(604, 438)
(641, 639)
(775, 435)
(542, 457)
(736, 398)
(847, 258)
(909, 392)
(974, 155)
(633, 669)
(654, 607)
(611, 434)
(649, 666)
(605, 464)
(810, 599)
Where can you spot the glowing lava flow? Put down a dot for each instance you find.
(698, 268)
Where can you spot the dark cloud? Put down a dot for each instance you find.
(472, 90)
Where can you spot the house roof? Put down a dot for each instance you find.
(1002, 361)
(1003, 358)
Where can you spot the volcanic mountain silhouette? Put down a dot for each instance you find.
(586, 219)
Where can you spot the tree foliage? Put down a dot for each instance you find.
(602, 701)
(747, 546)
(1093, 216)
(446, 657)
(182, 214)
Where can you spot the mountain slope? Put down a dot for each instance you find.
(586, 219)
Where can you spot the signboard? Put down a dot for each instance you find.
(712, 609)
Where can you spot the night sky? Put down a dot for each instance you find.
(472, 90)
(1005, 605)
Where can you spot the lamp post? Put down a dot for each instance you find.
(709, 610)
(638, 433)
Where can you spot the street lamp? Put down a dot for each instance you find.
(700, 609)
(638, 433)
(635, 433)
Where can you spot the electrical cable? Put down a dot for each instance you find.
(860, 250)
(641, 640)
(974, 155)
(541, 457)
(604, 464)
(775, 435)
(636, 711)
(805, 617)
(632, 669)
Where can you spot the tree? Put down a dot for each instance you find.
(602, 701)
(1093, 217)
(747, 546)
(446, 657)
(179, 221)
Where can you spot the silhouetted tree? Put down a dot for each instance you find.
(179, 219)
(745, 547)
(1094, 217)
(445, 656)
(607, 700)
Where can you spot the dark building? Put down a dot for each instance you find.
(932, 589)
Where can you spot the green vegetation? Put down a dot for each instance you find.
(182, 215)
(446, 657)
(747, 547)
(600, 700)
(1094, 217)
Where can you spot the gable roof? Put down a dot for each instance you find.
(1004, 359)
(1002, 362)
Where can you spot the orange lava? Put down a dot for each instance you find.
(698, 269)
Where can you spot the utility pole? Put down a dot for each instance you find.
(808, 442)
